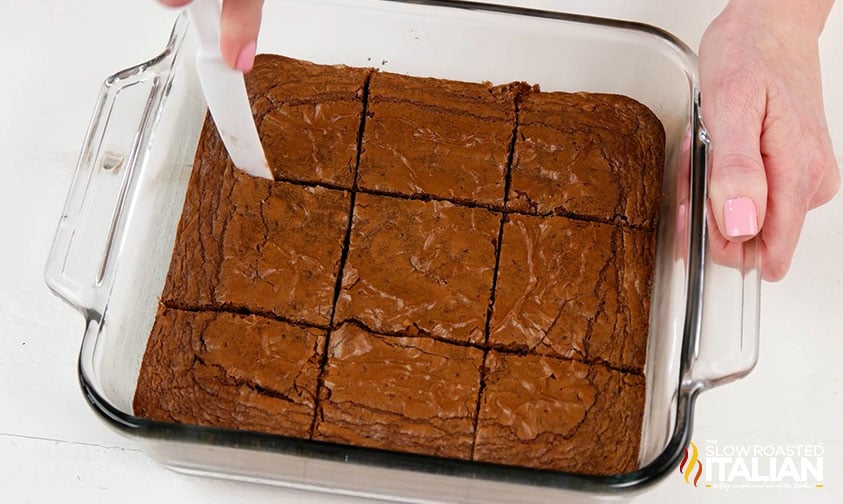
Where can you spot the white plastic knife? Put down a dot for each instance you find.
(225, 92)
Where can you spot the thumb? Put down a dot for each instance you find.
(738, 181)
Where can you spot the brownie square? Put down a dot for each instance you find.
(574, 289)
(438, 138)
(406, 394)
(592, 155)
(542, 412)
(230, 371)
(419, 267)
(255, 244)
(308, 117)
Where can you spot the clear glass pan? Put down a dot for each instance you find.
(113, 244)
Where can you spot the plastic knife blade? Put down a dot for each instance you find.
(225, 93)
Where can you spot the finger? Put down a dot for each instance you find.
(175, 3)
(788, 205)
(239, 28)
(785, 217)
(786, 211)
(829, 185)
(733, 110)
(801, 173)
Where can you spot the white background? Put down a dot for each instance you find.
(53, 56)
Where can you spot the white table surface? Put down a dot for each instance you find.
(55, 53)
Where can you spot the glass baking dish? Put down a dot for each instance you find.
(113, 244)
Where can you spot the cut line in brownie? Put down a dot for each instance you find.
(538, 411)
(230, 371)
(574, 289)
(437, 137)
(254, 244)
(308, 117)
(419, 267)
(406, 394)
(592, 155)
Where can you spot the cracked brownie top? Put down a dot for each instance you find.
(246, 243)
(308, 119)
(537, 411)
(590, 155)
(574, 289)
(437, 138)
(419, 267)
(440, 267)
(408, 394)
(229, 370)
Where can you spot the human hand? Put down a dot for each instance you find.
(772, 158)
(239, 28)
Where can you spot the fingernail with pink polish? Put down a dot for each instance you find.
(246, 58)
(740, 218)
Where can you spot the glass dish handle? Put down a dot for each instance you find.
(727, 344)
(85, 251)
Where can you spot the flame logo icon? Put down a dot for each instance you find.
(690, 464)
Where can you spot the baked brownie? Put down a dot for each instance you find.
(230, 371)
(591, 155)
(308, 117)
(419, 267)
(574, 289)
(436, 137)
(407, 394)
(543, 412)
(398, 363)
(254, 244)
